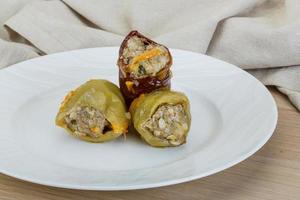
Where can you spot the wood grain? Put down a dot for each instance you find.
(272, 173)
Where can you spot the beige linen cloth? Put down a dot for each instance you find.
(262, 36)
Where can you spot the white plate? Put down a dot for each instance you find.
(233, 115)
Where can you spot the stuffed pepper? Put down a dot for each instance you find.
(162, 118)
(144, 66)
(94, 112)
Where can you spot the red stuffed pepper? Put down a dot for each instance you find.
(144, 66)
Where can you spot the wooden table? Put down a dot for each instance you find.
(272, 173)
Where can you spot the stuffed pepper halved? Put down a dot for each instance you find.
(94, 112)
(144, 66)
(162, 118)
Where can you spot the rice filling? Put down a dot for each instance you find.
(169, 122)
(149, 65)
(85, 120)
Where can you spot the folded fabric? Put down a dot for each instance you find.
(262, 36)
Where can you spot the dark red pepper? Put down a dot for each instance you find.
(132, 87)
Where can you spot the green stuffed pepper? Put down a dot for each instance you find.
(162, 118)
(94, 112)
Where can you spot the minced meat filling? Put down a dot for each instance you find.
(87, 121)
(135, 47)
(168, 122)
